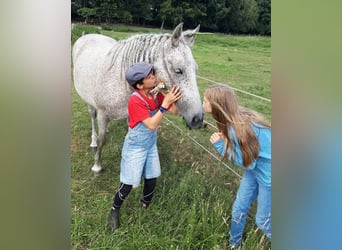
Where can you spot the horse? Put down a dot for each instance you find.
(99, 65)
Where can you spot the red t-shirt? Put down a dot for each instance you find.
(138, 110)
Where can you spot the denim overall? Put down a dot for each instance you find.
(140, 153)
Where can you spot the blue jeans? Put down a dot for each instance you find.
(249, 191)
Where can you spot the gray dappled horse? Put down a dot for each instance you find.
(100, 63)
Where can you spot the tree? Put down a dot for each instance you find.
(140, 10)
(107, 9)
(166, 12)
(228, 16)
(264, 20)
(76, 5)
(248, 15)
(209, 21)
(223, 18)
(87, 13)
(238, 16)
(193, 11)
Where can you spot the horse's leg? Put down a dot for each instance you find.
(102, 122)
(92, 112)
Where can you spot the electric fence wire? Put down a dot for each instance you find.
(239, 90)
(199, 144)
(204, 148)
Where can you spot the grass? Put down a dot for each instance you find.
(192, 204)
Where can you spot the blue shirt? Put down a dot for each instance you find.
(262, 165)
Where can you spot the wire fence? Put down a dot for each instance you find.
(238, 90)
(213, 126)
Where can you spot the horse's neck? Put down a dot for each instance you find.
(137, 48)
(145, 47)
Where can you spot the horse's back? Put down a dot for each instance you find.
(91, 43)
(90, 59)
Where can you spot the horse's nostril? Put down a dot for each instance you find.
(197, 121)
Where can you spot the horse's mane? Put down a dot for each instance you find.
(141, 47)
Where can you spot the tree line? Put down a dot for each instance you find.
(224, 16)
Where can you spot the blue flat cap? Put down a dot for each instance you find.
(137, 72)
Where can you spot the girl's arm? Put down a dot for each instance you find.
(217, 140)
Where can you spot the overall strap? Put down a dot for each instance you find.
(147, 105)
(141, 98)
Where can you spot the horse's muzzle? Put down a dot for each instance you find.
(196, 122)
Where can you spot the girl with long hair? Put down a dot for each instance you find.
(244, 138)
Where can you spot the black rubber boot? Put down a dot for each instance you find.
(143, 205)
(113, 219)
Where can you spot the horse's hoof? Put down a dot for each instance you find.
(93, 148)
(96, 169)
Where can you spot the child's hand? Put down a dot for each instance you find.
(215, 137)
(172, 96)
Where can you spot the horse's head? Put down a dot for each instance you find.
(178, 67)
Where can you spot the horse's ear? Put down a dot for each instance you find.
(176, 35)
(190, 35)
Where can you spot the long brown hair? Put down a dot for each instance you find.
(228, 114)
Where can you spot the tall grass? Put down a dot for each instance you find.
(192, 204)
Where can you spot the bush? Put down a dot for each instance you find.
(79, 29)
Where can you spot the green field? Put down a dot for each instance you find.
(192, 204)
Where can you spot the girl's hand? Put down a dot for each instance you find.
(172, 96)
(215, 137)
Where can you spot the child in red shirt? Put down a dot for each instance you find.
(139, 153)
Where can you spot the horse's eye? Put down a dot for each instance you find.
(178, 71)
